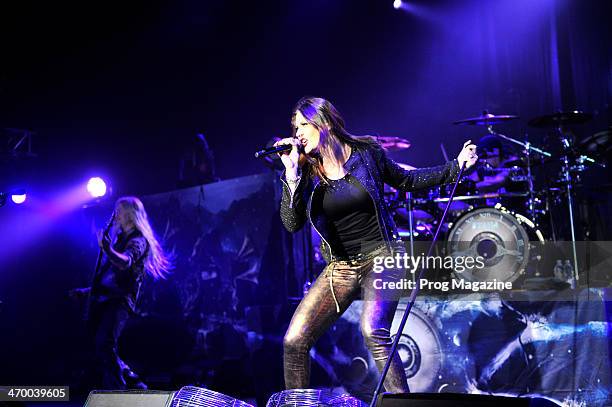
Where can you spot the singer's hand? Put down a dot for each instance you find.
(467, 155)
(290, 158)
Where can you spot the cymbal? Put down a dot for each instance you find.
(560, 119)
(486, 119)
(599, 144)
(393, 143)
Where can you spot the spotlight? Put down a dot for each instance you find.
(18, 196)
(96, 187)
(397, 4)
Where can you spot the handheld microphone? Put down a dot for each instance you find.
(273, 150)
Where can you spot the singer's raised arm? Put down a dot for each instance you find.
(409, 180)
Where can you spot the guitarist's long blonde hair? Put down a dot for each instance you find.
(157, 264)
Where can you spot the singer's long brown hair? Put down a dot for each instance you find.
(334, 138)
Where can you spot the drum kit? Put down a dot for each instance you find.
(498, 210)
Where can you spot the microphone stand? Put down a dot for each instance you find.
(410, 222)
(413, 295)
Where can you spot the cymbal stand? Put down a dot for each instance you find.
(531, 208)
(528, 148)
(566, 177)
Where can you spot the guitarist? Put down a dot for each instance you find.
(130, 252)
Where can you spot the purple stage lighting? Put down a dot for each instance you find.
(18, 198)
(96, 187)
(397, 4)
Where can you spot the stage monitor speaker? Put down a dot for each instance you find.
(129, 398)
(458, 400)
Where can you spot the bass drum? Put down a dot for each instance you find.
(501, 237)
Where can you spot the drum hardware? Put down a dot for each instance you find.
(560, 119)
(417, 215)
(486, 119)
(519, 171)
(575, 161)
(584, 159)
(598, 145)
(537, 204)
(571, 165)
(519, 178)
(528, 150)
(393, 143)
(416, 225)
(490, 195)
(522, 219)
(489, 170)
(533, 202)
(475, 206)
(487, 230)
(566, 174)
(515, 173)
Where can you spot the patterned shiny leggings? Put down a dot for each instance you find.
(330, 295)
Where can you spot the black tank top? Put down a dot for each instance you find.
(351, 217)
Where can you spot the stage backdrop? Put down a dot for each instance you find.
(481, 344)
(235, 269)
(235, 266)
(219, 319)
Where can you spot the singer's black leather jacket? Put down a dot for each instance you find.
(371, 166)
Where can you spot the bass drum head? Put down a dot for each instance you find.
(419, 348)
(495, 235)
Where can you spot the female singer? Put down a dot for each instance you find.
(335, 179)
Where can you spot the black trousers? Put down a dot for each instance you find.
(106, 321)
